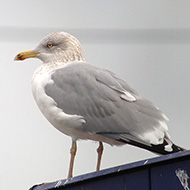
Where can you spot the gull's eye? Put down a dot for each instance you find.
(49, 45)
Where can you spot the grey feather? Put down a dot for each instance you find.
(96, 94)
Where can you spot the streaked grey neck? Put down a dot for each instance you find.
(73, 50)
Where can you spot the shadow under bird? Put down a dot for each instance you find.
(87, 102)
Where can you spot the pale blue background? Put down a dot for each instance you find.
(145, 42)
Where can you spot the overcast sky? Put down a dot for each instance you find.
(145, 42)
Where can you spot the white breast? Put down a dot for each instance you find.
(67, 124)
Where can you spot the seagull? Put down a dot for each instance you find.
(90, 103)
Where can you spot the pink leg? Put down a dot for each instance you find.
(99, 151)
(73, 153)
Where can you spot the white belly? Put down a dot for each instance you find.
(67, 124)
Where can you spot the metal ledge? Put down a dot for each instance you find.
(162, 173)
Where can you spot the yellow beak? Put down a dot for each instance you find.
(25, 55)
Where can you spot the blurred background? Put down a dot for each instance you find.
(145, 42)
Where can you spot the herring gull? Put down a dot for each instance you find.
(87, 102)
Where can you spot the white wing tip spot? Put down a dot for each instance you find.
(168, 148)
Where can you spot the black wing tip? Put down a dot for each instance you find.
(159, 149)
(177, 148)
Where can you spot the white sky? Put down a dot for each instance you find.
(31, 150)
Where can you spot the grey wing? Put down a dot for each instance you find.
(108, 104)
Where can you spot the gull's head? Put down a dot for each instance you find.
(56, 47)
